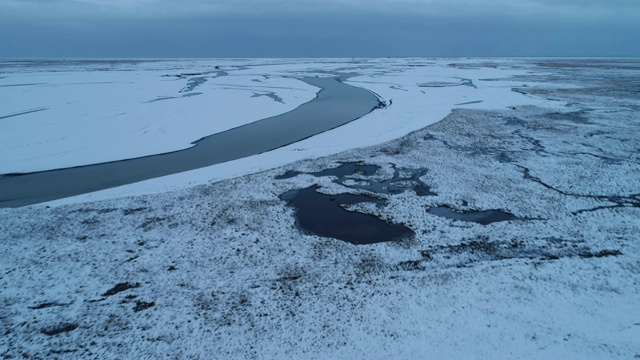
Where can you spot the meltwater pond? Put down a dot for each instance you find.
(325, 215)
(482, 217)
(345, 169)
(403, 179)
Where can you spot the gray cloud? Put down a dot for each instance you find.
(275, 28)
(571, 9)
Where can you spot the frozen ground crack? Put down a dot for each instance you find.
(619, 200)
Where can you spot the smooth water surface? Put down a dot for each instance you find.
(325, 215)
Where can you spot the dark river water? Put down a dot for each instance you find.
(336, 104)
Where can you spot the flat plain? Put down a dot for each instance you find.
(518, 179)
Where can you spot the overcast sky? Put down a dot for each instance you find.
(318, 28)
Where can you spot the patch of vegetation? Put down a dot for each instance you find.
(59, 329)
(120, 288)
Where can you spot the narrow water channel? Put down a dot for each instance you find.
(335, 104)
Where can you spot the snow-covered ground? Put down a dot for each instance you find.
(97, 112)
(55, 117)
(220, 270)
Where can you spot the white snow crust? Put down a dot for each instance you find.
(221, 270)
(226, 102)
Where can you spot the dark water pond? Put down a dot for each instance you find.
(482, 217)
(403, 178)
(341, 171)
(325, 215)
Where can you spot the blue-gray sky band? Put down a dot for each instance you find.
(328, 28)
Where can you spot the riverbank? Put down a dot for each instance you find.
(402, 84)
(336, 104)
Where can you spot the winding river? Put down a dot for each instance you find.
(335, 104)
